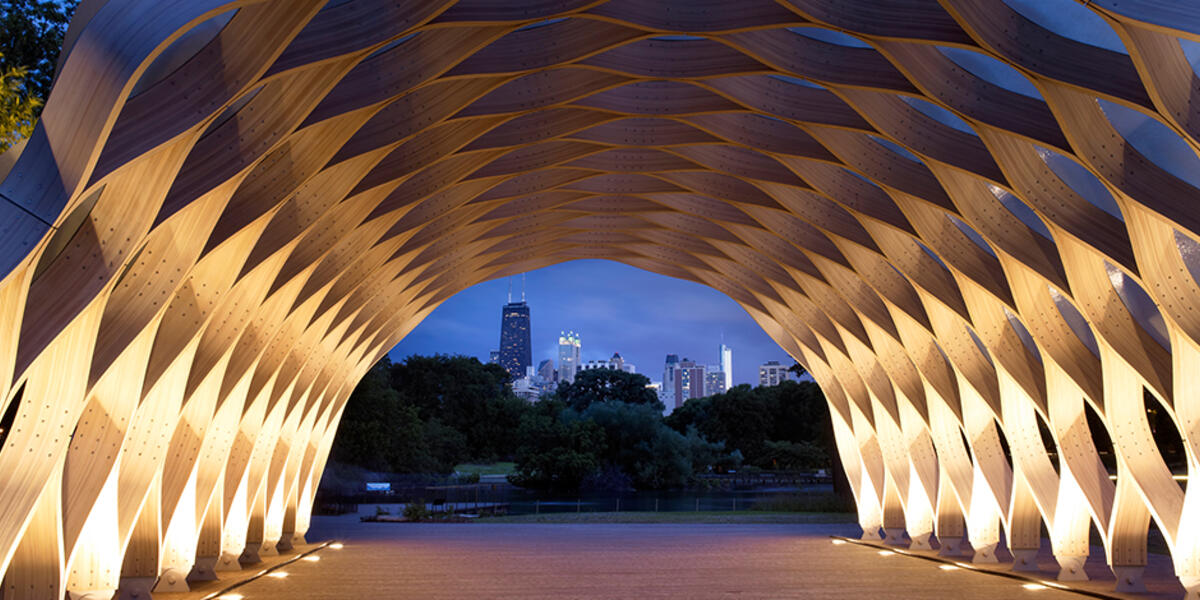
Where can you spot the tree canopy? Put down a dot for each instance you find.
(636, 447)
(18, 111)
(466, 395)
(557, 451)
(604, 430)
(31, 37)
(750, 419)
(381, 432)
(606, 385)
(427, 414)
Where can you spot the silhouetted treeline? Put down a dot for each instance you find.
(604, 430)
(427, 414)
(785, 426)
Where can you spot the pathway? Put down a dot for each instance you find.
(614, 561)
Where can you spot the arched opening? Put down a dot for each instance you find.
(460, 411)
(262, 200)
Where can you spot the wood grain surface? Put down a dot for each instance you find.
(230, 210)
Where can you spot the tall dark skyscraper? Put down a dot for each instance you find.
(515, 354)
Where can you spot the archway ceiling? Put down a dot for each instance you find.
(367, 160)
(246, 203)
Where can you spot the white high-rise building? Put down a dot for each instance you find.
(683, 380)
(714, 382)
(568, 355)
(772, 373)
(667, 392)
(727, 365)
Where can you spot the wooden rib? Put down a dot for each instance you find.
(210, 238)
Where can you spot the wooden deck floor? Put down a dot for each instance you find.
(643, 561)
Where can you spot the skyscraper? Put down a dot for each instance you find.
(684, 378)
(515, 354)
(772, 373)
(727, 365)
(568, 355)
(667, 393)
(714, 383)
(545, 370)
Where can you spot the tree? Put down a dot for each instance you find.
(710, 456)
(607, 385)
(377, 432)
(31, 36)
(556, 452)
(380, 432)
(743, 418)
(467, 396)
(798, 370)
(690, 415)
(444, 446)
(749, 419)
(793, 456)
(802, 413)
(651, 454)
(18, 110)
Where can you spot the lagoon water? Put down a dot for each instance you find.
(520, 501)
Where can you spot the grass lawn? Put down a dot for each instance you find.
(500, 468)
(725, 516)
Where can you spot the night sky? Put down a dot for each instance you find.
(614, 307)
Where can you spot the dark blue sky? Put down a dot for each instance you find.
(616, 308)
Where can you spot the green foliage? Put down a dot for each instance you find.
(611, 444)
(31, 36)
(749, 420)
(427, 415)
(607, 385)
(794, 456)
(446, 447)
(651, 454)
(467, 396)
(708, 455)
(430, 413)
(416, 511)
(18, 110)
(378, 431)
(798, 370)
(556, 452)
(495, 468)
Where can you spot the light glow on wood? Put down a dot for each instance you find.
(231, 210)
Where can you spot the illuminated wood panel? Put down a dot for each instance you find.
(973, 229)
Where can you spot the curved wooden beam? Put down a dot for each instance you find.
(231, 210)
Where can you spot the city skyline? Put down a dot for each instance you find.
(613, 308)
